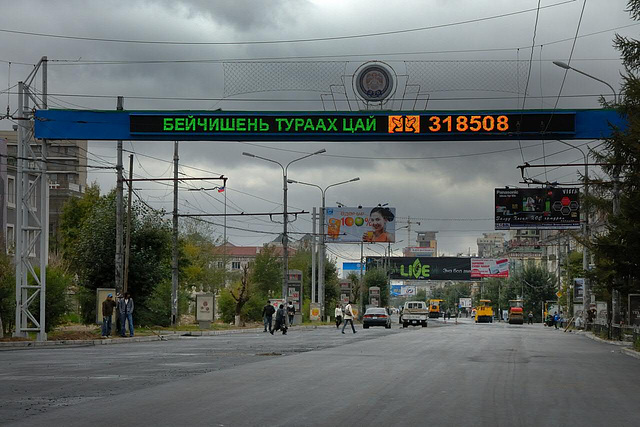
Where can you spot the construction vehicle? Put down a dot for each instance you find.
(484, 311)
(516, 312)
(434, 308)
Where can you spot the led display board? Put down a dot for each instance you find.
(425, 268)
(537, 208)
(387, 126)
(325, 126)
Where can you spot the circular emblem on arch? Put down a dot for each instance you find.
(374, 81)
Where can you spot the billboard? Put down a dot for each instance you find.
(537, 208)
(368, 224)
(420, 251)
(489, 267)
(465, 303)
(578, 289)
(426, 268)
(402, 291)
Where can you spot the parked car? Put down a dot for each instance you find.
(376, 317)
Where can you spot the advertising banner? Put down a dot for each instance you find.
(634, 309)
(465, 302)
(369, 224)
(427, 268)
(204, 304)
(578, 289)
(537, 208)
(402, 290)
(420, 251)
(489, 267)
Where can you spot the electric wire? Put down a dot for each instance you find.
(302, 40)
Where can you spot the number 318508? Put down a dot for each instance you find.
(468, 123)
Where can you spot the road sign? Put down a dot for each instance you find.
(558, 294)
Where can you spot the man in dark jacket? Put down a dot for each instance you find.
(267, 315)
(281, 321)
(125, 309)
(107, 311)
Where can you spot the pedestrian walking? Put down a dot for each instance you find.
(267, 316)
(281, 323)
(530, 317)
(338, 314)
(556, 319)
(125, 309)
(107, 311)
(348, 317)
(291, 311)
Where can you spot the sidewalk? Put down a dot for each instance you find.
(626, 346)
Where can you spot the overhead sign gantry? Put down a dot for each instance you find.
(325, 126)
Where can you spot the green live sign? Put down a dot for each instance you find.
(386, 126)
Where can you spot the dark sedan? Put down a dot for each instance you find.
(376, 317)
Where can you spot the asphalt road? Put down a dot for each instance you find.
(466, 374)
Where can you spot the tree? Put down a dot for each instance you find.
(7, 294)
(92, 255)
(241, 294)
(617, 250)
(200, 258)
(266, 273)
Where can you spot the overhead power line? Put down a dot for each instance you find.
(262, 42)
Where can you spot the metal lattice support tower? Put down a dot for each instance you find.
(32, 224)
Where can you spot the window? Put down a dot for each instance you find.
(11, 191)
(11, 238)
(235, 265)
(220, 264)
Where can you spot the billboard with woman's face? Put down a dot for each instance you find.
(368, 224)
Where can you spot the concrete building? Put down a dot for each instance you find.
(491, 245)
(67, 173)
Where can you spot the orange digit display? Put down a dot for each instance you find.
(467, 124)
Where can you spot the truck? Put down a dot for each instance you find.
(516, 312)
(434, 308)
(484, 312)
(414, 313)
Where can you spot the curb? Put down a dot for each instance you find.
(595, 338)
(232, 331)
(78, 343)
(164, 336)
(630, 352)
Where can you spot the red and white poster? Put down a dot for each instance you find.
(489, 267)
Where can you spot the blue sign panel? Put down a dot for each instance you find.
(323, 126)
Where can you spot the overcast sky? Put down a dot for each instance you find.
(447, 186)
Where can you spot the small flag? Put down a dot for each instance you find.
(220, 189)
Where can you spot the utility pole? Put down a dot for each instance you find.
(174, 249)
(127, 249)
(119, 212)
(313, 256)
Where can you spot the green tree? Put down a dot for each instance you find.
(92, 256)
(266, 273)
(617, 250)
(74, 214)
(7, 294)
(56, 297)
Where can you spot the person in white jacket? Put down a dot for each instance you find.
(348, 317)
(338, 314)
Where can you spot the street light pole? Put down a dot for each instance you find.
(569, 67)
(285, 237)
(586, 298)
(321, 255)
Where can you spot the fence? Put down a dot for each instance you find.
(615, 332)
